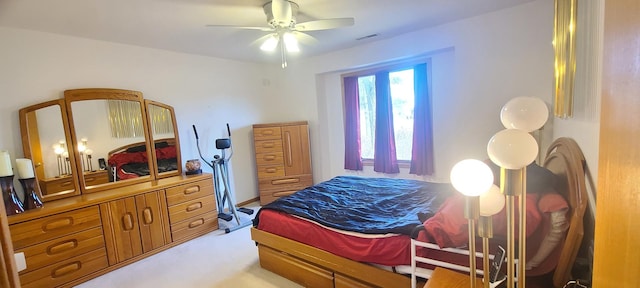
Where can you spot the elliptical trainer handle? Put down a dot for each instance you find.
(228, 130)
(194, 131)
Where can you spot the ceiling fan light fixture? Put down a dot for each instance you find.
(270, 44)
(290, 42)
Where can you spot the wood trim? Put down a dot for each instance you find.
(247, 202)
(8, 269)
(617, 257)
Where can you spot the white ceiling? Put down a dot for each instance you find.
(179, 25)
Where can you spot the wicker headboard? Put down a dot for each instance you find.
(565, 159)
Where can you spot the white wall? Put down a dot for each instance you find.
(478, 65)
(204, 91)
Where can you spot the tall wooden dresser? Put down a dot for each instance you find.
(283, 159)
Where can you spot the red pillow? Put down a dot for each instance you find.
(448, 227)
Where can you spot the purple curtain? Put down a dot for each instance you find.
(352, 152)
(384, 158)
(422, 152)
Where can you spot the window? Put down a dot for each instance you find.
(402, 102)
(388, 119)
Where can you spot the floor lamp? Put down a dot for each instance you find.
(513, 149)
(472, 178)
(491, 203)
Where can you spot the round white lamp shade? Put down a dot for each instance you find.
(524, 113)
(471, 177)
(491, 202)
(512, 149)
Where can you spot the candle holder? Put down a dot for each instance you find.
(31, 199)
(11, 201)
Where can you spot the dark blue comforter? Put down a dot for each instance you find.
(365, 205)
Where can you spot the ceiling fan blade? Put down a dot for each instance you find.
(281, 11)
(267, 29)
(305, 38)
(261, 40)
(324, 24)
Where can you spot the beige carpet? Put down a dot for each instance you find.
(213, 260)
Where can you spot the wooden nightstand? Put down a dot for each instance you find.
(444, 278)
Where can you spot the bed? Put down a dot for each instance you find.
(131, 161)
(324, 260)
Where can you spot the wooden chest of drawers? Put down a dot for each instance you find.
(192, 209)
(61, 247)
(283, 159)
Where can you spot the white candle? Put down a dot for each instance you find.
(5, 164)
(25, 168)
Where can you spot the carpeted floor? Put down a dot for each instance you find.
(217, 259)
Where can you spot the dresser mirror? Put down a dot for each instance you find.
(45, 138)
(166, 148)
(109, 136)
(102, 136)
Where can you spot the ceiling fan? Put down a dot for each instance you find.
(284, 30)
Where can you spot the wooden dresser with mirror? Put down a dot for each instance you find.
(107, 163)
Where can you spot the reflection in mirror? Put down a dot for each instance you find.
(44, 141)
(111, 140)
(166, 148)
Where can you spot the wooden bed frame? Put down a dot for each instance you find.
(313, 267)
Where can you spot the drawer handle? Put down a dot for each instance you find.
(196, 223)
(127, 222)
(191, 190)
(271, 170)
(268, 145)
(147, 216)
(194, 206)
(284, 193)
(267, 132)
(62, 247)
(58, 224)
(89, 179)
(269, 157)
(285, 181)
(66, 183)
(287, 147)
(66, 269)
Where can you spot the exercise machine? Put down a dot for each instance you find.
(220, 166)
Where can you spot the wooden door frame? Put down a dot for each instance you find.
(9, 270)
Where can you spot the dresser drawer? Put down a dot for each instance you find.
(194, 226)
(267, 133)
(268, 146)
(54, 226)
(54, 185)
(285, 183)
(270, 171)
(65, 271)
(294, 269)
(190, 191)
(96, 178)
(60, 249)
(274, 158)
(192, 208)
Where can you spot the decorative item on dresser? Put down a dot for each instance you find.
(92, 223)
(283, 159)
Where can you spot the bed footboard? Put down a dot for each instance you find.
(312, 267)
